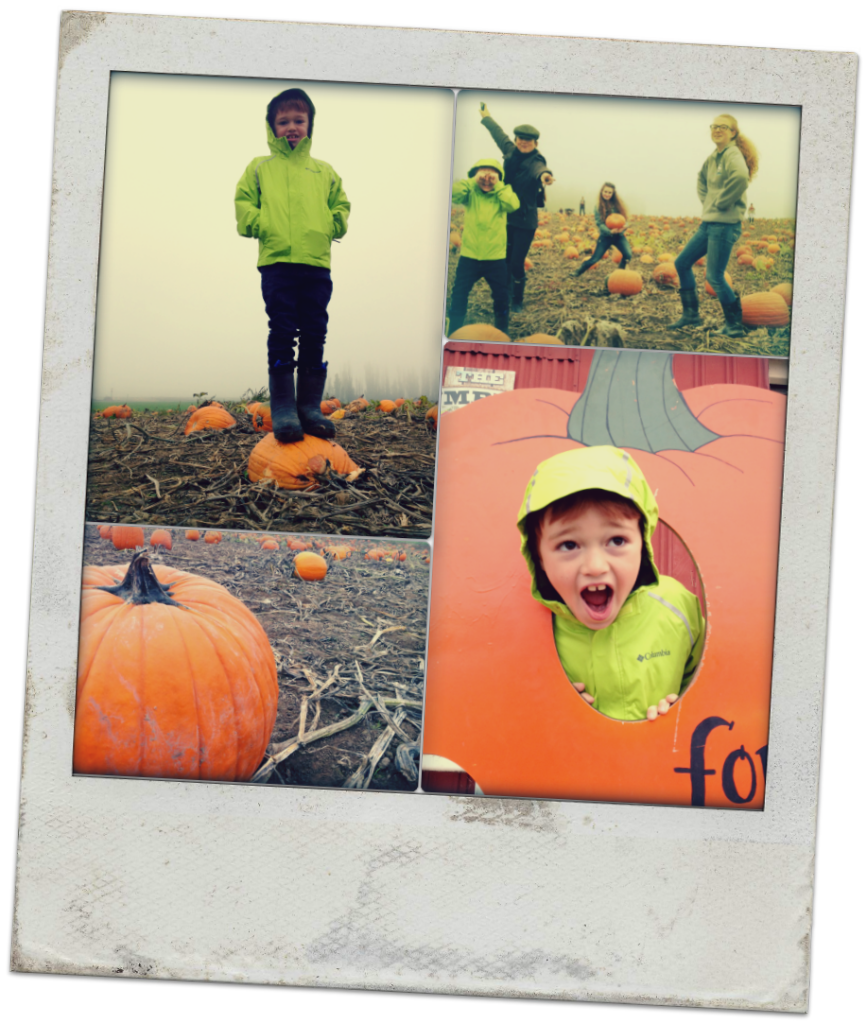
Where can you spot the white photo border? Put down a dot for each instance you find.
(418, 892)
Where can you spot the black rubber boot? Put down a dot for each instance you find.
(734, 316)
(502, 323)
(583, 269)
(311, 385)
(689, 317)
(517, 296)
(284, 412)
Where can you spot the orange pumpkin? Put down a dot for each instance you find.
(161, 538)
(398, 402)
(498, 702)
(192, 534)
(745, 260)
(455, 239)
(784, 289)
(614, 221)
(666, 276)
(209, 417)
(309, 566)
(176, 678)
(328, 406)
(433, 415)
(213, 537)
(290, 464)
(479, 332)
(104, 531)
(528, 264)
(625, 282)
(387, 406)
(765, 309)
(270, 544)
(709, 289)
(571, 253)
(124, 537)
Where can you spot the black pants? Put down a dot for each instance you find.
(468, 272)
(296, 300)
(603, 244)
(518, 241)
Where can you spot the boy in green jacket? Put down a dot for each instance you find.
(295, 205)
(628, 638)
(483, 245)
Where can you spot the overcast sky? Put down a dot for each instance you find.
(179, 303)
(651, 150)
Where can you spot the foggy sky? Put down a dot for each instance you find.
(179, 305)
(651, 150)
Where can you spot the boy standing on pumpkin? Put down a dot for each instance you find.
(295, 206)
(483, 245)
(628, 638)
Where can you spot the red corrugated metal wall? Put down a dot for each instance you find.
(553, 366)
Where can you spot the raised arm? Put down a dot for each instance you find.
(502, 140)
(461, 191)
(506, 195)
(248, 202)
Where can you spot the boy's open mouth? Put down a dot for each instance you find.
(597, 597)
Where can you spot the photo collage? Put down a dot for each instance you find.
(437, 441)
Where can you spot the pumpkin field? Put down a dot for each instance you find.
(634, 313)
(194, 468)
(345, 622)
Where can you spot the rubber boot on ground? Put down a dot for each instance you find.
(734, 317)
(284, 411)
(517, 296)
(311, 385)
(502, 322)
(689, 317)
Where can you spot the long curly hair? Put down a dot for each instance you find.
(745, 145)
(613, 205)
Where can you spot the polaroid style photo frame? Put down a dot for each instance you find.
(405, 880)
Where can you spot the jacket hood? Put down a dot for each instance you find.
(486, 163)
(281, 146)
(600, 467)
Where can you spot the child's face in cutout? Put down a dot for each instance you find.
(592, 558)
(292, 125)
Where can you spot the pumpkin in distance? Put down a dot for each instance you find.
(124, 537)
(309, 566)
(176, 677)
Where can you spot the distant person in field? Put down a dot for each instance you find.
(722, 184)
(752, 214)
(609, 203)
(527, 172)
(582, 208)
(483, 246)
(295, 205)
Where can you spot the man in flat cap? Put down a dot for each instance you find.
(528, 174)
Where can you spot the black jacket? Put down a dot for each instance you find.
(523, 173)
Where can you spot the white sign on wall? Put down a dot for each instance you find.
(467, 384)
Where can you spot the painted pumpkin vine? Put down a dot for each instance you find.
(499, 703)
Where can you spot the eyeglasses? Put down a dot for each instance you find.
(721, 127)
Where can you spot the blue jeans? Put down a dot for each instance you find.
(715, 241)
(296, 300)
(603, 244)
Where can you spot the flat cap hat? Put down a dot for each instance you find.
(527, 131)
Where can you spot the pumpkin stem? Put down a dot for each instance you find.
(632, 401)
(140, 585)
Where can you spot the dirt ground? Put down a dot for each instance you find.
(554, 297)
(362, 631)
(144, 470)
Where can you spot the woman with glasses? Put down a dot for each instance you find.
(722, 184)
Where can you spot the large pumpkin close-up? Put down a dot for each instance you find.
(498, 702)
(176, 678)
(290, 464)
(765, 309)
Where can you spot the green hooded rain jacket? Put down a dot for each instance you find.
(654, 645)
(293, 204)
(484, 236)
